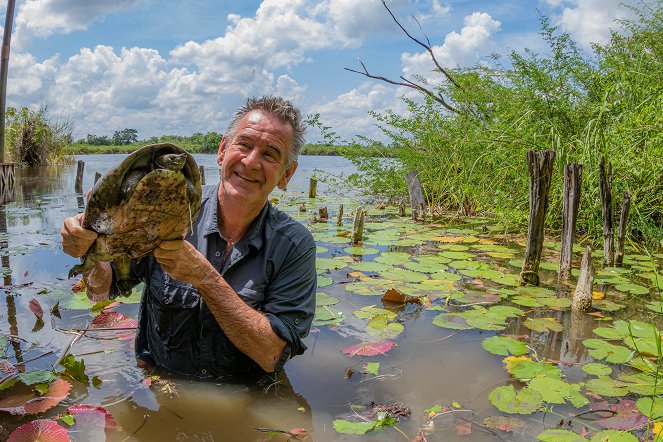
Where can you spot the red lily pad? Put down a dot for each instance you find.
(622, 415)
(35, 308)
(369, 348)
(109, 319)
(83, 410)
(41, 430)
(28, 403)
(6, 367)
(91, 422)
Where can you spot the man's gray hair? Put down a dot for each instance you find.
(281, 108)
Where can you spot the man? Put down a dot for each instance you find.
(238, 295)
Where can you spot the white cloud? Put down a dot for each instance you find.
(28, 78)
(590, 21)
(459, 49)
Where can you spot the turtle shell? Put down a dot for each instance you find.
(163, 205)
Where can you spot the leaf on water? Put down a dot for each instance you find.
(28, 403)
(556, 391)
(606, 386)
(370, 311)
(651, 407)
(369, 348)
(523, 368)
(452, 321)
(91, 421)
(614, 354)
(55, 311)
(6, 367)
(372, 368)
(393, 295)
(560, 435)
(613, 436)
(543, 324)
(35, 308)
(382, 420)
(464, 428)
(41, 430)
(622, 415)
(597, 369)
(327, 315)
(74, 369)
(325, 299)
(36, 377)
(501, 345)
(508, 400)
(504, 423)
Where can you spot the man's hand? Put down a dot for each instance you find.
(183, 262)
(75, 239)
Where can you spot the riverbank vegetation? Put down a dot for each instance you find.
(469, 136)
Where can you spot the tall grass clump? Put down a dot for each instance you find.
(584, 106)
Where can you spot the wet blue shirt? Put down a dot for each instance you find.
(272, 268)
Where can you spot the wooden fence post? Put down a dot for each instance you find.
(97, 175)
(202, 174)
(312, 187)
(608, 213)
(582, 298)
(621, 235)
(417, 200)
(79, 177)
(339, 219)
(322, 212)
(540, 175)
(358, 226)
(571, 203)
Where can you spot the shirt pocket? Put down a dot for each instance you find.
(174, 312)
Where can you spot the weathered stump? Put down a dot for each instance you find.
(417, 200)
(79, 177)
(401, 207)
(571, 203)
(608, 213)
(97, 175)
(302, 207)
(621, 234)
(540, 174)
(322, 212)
(313, 187)
(202, 174)
(582, 298)
(358, 226)
(339, 217)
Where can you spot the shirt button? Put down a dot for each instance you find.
(217, 254)
(296, 321)
(203, 371)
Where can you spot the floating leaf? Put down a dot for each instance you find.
(613, 436)
(543, 324)
(327, 315)
(347, 427)
(91, 422)
(651, 407)
(622, 415)
(361, 251)
(632, 289)
(35, 308)
(596, 369)
(41, 430)
(504, 423)
(508, 400)
(372, 368)
(369, 348)
(614, 354)
(324, 281)
(606, 386)
(36, 377)
(560, 435)
(644, 384)
(452, 321)
(28, 403)
(521, 367)
(556, 391)
(379, 327)
(501, 345)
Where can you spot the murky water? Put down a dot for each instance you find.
(428, 366)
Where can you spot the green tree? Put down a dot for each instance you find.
(125, 136)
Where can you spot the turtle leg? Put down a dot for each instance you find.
(123, 274)
(85, 266)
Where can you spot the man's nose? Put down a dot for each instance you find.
(252, 159)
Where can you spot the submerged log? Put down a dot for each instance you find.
(313, 187)
(540, 174)
(79, 177)
(621, 235)
(608, 213)
(571, 203)
(582, 298)
(358, 226)
(339, 218)
(417, 200)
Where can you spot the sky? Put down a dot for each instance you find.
(180, 67)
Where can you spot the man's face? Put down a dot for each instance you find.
(253, 163)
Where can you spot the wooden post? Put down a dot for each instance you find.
(302, 207)
(417, 200)
(202, 174)
(322, 212)
(358, 226)
(312, 187)
(540, 175)
(339, 218)
(97, 175)
(571, 203)
(623, 221)
(608, 213)
(4, 69)
(79, 176)
(401, 207)
(582, 298)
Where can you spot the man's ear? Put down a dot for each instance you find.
(289, 172)
(222, 151)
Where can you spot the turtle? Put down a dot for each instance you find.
(153, 195)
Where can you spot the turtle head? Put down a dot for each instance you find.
(170, 161)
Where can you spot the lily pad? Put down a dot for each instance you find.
(543, 325)
(452, 321)
(503, 345)
(606, 386)
(361, 251)
(369, 348)
(41, 430)
(560, 435)
(525, 368)
(597, 369)
(614, 354)
(556, 391)
(613, 436)
(508, 400)
(651, 407)
(633, 289)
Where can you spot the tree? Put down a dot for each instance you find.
(125, 136)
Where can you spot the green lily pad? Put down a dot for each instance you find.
(380, 327)
(643, 384)
(326, 315)
(614, 354)
(324, 299)
(613, 436)
(324, 281)
(456, 255)
(543, 325)
(526, 301)
(525, 368)
(508, 400)
(606, 386)
(425, 267)
(361, 251)
(393, 258)
(371, 311)
(651, 407)
(606, 305)
(608, 333)
(403, 275)
(503, 345)
(556, 391)
(560, 435)
(371, 266)
(597, 369)
(632, 289)
(452, 321)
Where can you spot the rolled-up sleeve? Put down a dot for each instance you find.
(290, 302)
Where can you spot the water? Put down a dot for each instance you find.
(429, 365)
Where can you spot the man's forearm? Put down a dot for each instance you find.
(248, 329)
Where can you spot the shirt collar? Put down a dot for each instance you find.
(251, 237)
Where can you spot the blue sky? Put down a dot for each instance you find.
(180, 67)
